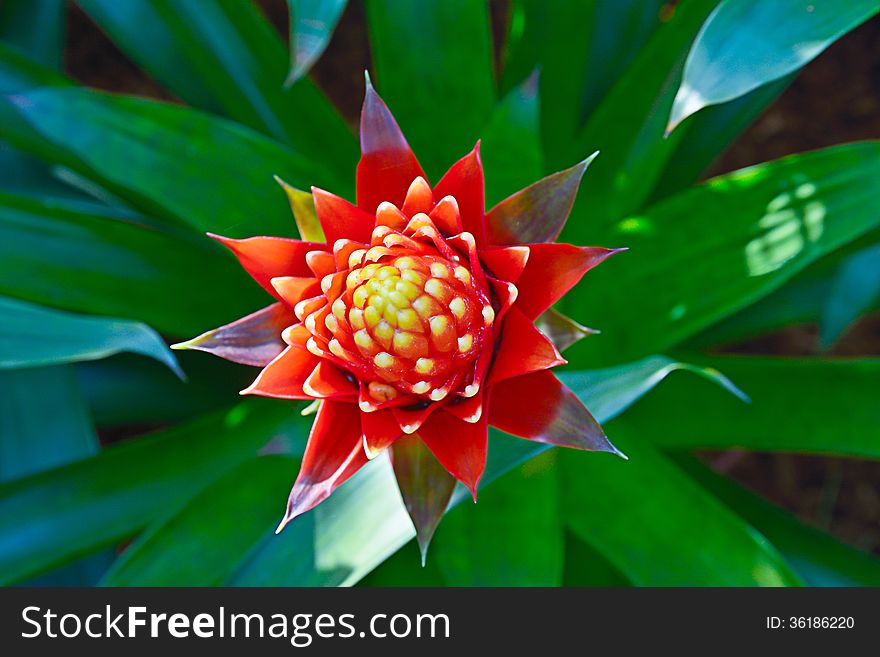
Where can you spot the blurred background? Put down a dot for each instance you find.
(835, 99)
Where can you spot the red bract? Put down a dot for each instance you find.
(413, 325)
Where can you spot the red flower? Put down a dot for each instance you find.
(414, 323)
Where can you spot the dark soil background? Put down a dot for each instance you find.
(835, 99)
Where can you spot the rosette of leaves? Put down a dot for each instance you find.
(105, 201)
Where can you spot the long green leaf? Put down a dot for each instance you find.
(35, 27)
(126, 389)
(201, 542)
(627, 128)
(33, 336)
(433, 65)
(79, 508)
(199, 170)
(224, 57)
(712, 250)
(658, 527)
(512, 537)
(511, 143)
(708, 134)
(33, 438)
(582, 49)
(747, 43)
(20, 172)
(364, 522)
(817, 557)
(854, 290)
(586, 566)
(814, 405)
(57, 256)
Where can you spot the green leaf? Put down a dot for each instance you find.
(33, 336)
(854, 290)
(62, 257)
(364, 521)
(198, 170)
(814, 405)
(20, 172)
(586, 566)
(512, 537)
(32, 439)
(511, 143)
(126, 389)
(311, 25)
(817, 557)
(708, 134)
(800, 300)
(79, 508)
(225, 57)
(433, 66)
(712, 250)
(199, 543)
(582, 49)
(645, 512)
(627, 128)
(747, 43)
(35, 27)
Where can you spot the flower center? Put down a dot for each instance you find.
(414, 318)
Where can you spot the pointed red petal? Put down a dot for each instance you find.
(342, 220)
(469, 409)
(264, 258)
(506, 263)
(459, 446)
(426, 487)
(293, 289)
(540, 407)
(523, 349)
(387, 166)
(552, 270)
(409, 419)
(252, 340)
(506, 293)
(464, 181)
(328, 382)
(538, 212)
(285, 375)
(333, 454)
(380, 430)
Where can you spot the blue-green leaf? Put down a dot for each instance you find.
(854, 290)
(225, 57)
(712, 250)
(195, 169)
(200, 542)
(79, 508)
(747, 43)
(34, 336)
(34, 438)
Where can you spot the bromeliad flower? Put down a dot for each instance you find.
(412, 325)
